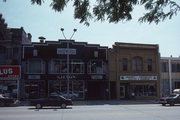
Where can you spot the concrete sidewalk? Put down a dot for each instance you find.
(103, 102)
(114, 102)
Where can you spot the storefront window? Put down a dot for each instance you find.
(35, 89)
(76, 89)
(143, 90)
(95, 66)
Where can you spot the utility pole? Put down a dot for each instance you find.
(68, 53)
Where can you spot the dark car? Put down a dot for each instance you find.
(4, 101)
(171, 100)
(51, 101)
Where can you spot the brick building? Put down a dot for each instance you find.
(75, 69)
(134, 71)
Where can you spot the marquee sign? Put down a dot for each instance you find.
(10, 72)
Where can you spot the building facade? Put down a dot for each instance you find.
(11, 40)
(170, 74)
(134, 71)
(74, 69)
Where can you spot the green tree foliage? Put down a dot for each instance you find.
(117, 10)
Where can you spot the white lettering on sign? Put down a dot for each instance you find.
(6, 71)
(138, 77)
(65, 51)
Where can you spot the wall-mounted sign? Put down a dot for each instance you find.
(65, 51)
(10, 72)
(138, 77)
(64, 77)
(34, 77)
(96, 77)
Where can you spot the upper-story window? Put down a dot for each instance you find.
(95, 66)
(35, 66)
(77, 66)
(2, 55)
(125, 64)
(35, 52)
(137, 64)
(60, 66)
(175, 67)
(164, 67)
(149, 65)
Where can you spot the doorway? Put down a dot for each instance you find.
(122, 91)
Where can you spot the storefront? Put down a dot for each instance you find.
(9, 80)
(138, 87)
(81, 87)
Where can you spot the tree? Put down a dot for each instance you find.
(117, 10)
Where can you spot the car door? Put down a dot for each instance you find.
(52, 101)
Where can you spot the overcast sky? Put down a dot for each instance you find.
(43, 21)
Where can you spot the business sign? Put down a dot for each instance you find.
(10, 72)
(66, 51)
(138, 77)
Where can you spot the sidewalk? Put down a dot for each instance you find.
(103, 102)
(114, 102)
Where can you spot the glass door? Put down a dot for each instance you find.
(122, 91)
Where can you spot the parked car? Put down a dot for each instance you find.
(71, 95)
(172, 99)
(51, 101)
(5, 101)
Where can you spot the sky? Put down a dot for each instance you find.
(43, 21)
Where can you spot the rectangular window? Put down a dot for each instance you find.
(95, 66)
(175, 67)
(96, 54)
(35, 66)
(77, 66)
(124, 64)
(60, 66)
(149, 65)
(164, 67)
(35, 53)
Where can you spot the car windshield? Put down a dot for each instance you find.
(173, 96)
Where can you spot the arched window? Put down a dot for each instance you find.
(137, 64)
(149, 65)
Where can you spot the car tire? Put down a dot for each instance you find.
(38, 106)
(63, 105)
(171, 103)
(163, 104)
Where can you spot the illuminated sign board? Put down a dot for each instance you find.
(10, 72)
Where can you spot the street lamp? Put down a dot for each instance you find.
(67, 52)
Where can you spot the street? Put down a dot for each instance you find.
(93, 112)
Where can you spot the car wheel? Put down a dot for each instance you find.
(38, 106)
(63, 105)
(171, 103)
(163, 104)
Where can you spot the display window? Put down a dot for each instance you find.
(143, 90)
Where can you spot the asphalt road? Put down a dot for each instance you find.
(93, 112)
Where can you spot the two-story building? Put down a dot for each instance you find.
(65, 67)
(11, 40)
(170, 74)
(134, 71)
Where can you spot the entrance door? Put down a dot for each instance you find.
(122, 91)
